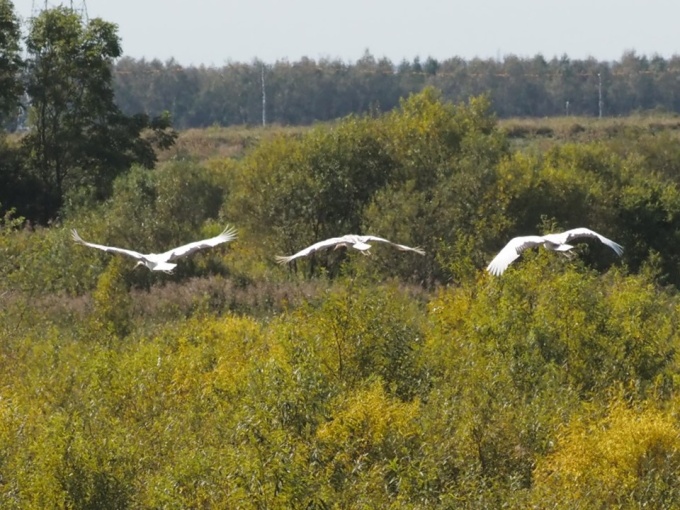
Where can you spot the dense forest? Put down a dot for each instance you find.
(309, 91)
(392, 380)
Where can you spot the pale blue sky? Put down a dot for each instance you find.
(213, 32)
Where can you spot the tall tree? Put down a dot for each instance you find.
(10, 92)
(79, 139)
(10, 60)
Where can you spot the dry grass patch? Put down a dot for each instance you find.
(223, 142)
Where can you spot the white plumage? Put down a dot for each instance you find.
(161, 261)
(358, 242)
(553, 242)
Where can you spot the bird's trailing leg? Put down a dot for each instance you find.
(564, 249)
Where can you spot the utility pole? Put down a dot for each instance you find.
(599, 94)
(264, 99)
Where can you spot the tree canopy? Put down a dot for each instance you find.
(10, 62)
(78, 140)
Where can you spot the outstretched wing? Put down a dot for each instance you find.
(110, 249)
(511, 252)
(228, 234)
(333, 241)
(401, 247)
(586, 232)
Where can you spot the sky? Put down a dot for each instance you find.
(215, 32)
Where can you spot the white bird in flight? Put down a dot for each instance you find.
(355, 241)
(553, 242)
(161, 261)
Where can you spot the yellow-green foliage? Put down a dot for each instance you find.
(415, 175)
(360, 331)
(550, 319)
(361, 398)
(42, 261)
(114, 427)
(112, 301)
(345, 381)
(512, 358)
(365, 448)
(442, 193)
(627, 458)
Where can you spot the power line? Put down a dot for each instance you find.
(79, 7)
(459, 74)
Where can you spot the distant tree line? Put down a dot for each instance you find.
(311, 90)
